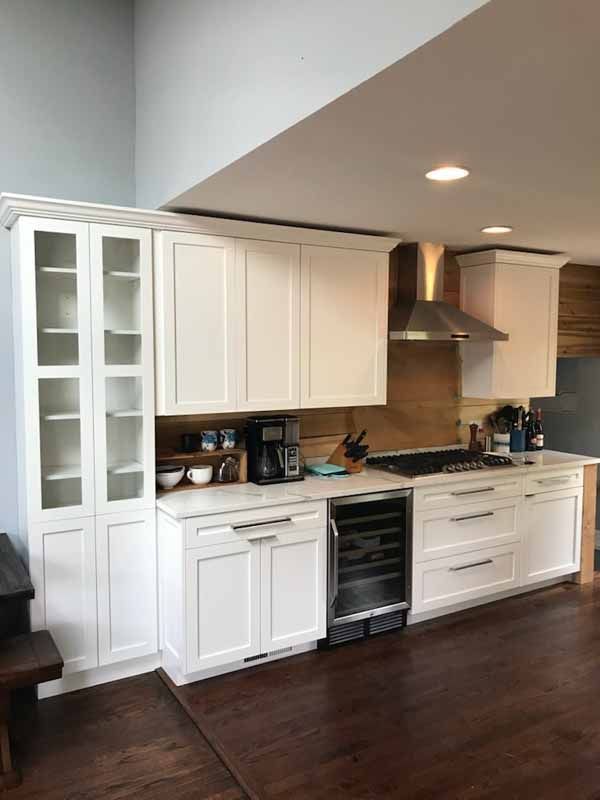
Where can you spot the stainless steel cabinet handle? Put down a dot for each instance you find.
(261, 538)
(247, 525)
(566, 479)
(474, 491)
(336, 558)
(473, 516)
(473, 564)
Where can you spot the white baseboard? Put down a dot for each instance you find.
(93, 677)
(424, 616)
(180, 679)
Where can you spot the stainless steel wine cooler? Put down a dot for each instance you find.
(370, 558)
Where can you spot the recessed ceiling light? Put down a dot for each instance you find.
(449, 173)
(496, 229)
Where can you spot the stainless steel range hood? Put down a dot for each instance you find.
(420, 312)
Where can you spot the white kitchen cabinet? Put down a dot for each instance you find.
(517, 293)
(268, 284)
(195, 320)
(293, 580)
(467, 577)
(343, 328)
(53, 362)
(127, 585)
(62, 563)
(222, 599)
(123, 367)
(552, 540)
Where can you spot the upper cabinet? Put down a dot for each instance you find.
(268, 282)
(518, 293)
(344, 327)
(195, 322)
(245, 325)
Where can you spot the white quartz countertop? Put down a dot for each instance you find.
(241, 497)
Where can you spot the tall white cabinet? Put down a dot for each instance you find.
(85, 405)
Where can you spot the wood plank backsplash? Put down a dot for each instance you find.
(579, 311)
(424, 407)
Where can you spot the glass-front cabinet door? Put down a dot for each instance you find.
(53, 336)
(122, 340)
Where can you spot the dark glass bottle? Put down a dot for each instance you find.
(539, 430)
(530, 435)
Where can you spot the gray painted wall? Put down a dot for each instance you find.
(572, 418)
(217, 78)
(67, 129)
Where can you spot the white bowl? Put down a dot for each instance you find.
(200, 475)
(168, 477)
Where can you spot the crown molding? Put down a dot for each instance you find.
(520, 257)
(13, 206)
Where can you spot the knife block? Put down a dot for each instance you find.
(338, 457)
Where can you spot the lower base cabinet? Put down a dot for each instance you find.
(252, 597)
(223, 604)
(127, 585)
(62, 564)
(95, 587)
(457, 579)
(552, 544)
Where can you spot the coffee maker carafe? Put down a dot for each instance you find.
(273, 449)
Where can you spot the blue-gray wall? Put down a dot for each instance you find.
(67, 129)
(572, 418)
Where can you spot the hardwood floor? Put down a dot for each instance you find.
(500, 702)
(128, 739)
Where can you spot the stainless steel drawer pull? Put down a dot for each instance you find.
(262, 538)
(474, 491)
(474, 564)
(248, 525)
(565, 479)
(473, 516)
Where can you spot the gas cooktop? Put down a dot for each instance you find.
(413, 465)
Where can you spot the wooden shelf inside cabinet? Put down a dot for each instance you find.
(58, 270)
(170, 456)
(122, 275)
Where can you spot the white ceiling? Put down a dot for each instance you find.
(511, 92)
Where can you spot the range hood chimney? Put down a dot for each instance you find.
(420, 313)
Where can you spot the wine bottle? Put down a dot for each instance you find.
(539, 430)
(530, 436)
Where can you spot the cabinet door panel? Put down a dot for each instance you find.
(268, 279)
(223, 597)
(552, 542)
(127, 585)
(62, 562)
(122, 338)
(195, 323)
(54, 366)
(525, 365)
(293, 589)
(344, 302)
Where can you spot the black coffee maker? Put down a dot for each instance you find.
(273, 449)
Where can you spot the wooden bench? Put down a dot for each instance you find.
(26, 659)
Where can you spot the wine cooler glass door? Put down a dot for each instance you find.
(369, 555)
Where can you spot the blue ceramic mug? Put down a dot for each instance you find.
(209, 441)
(227, 437)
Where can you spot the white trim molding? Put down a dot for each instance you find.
(13, 206)
(526, 259)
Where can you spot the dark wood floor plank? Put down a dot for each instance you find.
(495, 702)
(127, 739)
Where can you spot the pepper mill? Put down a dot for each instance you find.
(473, 443)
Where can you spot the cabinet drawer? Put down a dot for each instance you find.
(441, 533)
(450, 494)
(553, 479)
(252, 525)
(447, 581)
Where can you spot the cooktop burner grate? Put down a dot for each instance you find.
(436, 461)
